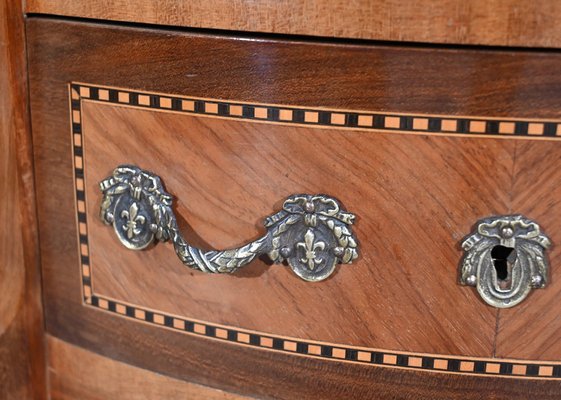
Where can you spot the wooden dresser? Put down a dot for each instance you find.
(385, 177)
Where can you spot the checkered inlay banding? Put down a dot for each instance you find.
(386, 122)
(280, 114)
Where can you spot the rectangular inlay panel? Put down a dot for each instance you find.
(120, 287)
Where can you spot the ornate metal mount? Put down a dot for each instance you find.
(311, 232)
(505, 258)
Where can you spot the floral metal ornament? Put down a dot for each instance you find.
(504, 259)
(310, 246)
(134, 221)
(312, 232)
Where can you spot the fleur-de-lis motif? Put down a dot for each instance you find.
(134, 221)
(310, 247)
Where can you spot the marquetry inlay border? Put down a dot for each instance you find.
(389, 122)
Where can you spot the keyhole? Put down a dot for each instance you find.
(503, 258)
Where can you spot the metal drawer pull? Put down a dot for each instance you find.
(505, 258)
(312, 232)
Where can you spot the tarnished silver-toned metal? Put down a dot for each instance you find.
(312, 233)
(505, 258)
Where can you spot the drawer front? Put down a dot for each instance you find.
(418, 143)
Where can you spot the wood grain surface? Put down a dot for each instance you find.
(75, 373)
(227, 175)
(532, 329)
(499, 83)
(21, 325)
(479, 22)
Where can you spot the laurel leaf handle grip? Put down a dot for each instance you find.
(311, 232)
